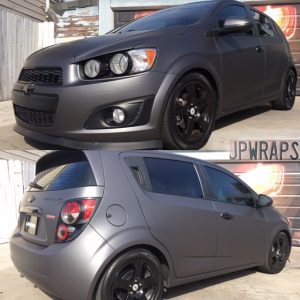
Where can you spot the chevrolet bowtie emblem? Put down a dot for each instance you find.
(28, 88)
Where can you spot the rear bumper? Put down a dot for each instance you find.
(64, 271)
(66, 109)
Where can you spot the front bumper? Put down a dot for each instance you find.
(63, 271)
(76, 103)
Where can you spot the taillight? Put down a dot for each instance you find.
(70, 212)
(88, 208)
(74, 216)
(62, 232)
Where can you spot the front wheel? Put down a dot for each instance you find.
(190, 114)
(287, 98)
(277, 255)
(135, 275)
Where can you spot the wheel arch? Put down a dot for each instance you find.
(275, 232)
(182, 67)
(156, 252)
(208, 76)
(293, 68)
(159, 253)
(288, 233)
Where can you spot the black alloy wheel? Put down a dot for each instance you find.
(136, 275)
(278, 254)
(190, 115)
(290, 90)
(288, 97)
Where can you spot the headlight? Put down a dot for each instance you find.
(119, 64)
(122, 63)
(142, 59)
(92, 68)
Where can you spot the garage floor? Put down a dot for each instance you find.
(246, 285)
(259, 123)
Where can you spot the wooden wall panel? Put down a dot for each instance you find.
(31, 8)
(15, 176)
(19, 37)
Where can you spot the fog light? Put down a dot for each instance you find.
(118, 116)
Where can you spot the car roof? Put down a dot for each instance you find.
(60, 156)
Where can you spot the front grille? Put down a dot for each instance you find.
(34, 117)
(42, 76)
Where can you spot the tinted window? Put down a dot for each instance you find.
(168, 18)
(227, 189)
(65, 176)
(231, 11)
(173, 177)
(263, 24)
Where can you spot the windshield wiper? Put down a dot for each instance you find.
(36, 186)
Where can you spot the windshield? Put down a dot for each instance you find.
(168, 18)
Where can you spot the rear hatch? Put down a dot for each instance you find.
(61, 177)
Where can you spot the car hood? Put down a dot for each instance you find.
(83, 49)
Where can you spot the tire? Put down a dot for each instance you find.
(277, 255)
(287, 97)
(190, 114)
(136, 274)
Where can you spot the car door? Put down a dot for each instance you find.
(242, 60)
(242, 229)
(277, 60)
(177, 212)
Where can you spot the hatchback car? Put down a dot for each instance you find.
(117, 225)
(160, 81)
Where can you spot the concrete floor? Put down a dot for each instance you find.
(246, 285)
(261, 123)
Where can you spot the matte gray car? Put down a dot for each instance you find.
(160, 81)
(117, 225)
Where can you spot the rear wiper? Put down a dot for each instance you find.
(36, 186)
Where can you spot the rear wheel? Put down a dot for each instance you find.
(135, 275)
(190, 114)
(277, 255)
(288, 93)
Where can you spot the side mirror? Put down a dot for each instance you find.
(264, 201)
(235, 25)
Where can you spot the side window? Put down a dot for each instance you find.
(263, 23)
(227, 189)
(173, 177)
(231, 11)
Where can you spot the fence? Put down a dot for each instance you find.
(15, 176)
(19, 37)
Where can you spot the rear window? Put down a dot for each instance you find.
(168, 18)
(173, 177)
(74, 174)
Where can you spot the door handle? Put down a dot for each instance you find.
(226, 216)
(259, 48)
